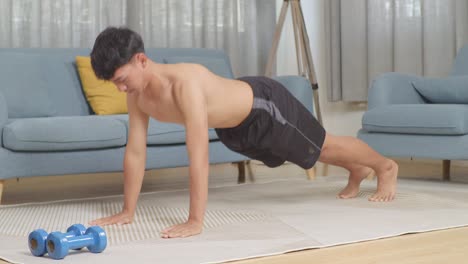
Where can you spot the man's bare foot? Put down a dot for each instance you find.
(386, 183)
(355, 178)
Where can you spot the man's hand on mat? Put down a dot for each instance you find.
(189, 228)
(119, 219)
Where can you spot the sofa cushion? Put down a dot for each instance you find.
(452, 90)
(24, 86)
(216, 65)
(432, 119)
(64, 133)
(102, 95)
(160, 133)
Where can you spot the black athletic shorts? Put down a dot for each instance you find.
(279, 128)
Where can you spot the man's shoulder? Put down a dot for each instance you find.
(187, 68)
(190, 73)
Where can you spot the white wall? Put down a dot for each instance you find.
(338, 118)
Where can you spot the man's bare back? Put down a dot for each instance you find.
(228, 102)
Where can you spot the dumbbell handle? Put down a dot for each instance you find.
(80, 241)
(70, 235)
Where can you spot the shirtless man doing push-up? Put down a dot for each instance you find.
(255, 116)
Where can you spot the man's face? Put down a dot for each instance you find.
(129, 77)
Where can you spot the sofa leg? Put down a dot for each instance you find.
(241, 168)
(248, 166)
(371, 176)
(311, 173)
(325, 169)
(2, 183)
(446, 170)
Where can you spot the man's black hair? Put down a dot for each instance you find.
(113, 48)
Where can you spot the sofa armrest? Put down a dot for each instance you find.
(300, 88)
(393, 88)
(3, 115)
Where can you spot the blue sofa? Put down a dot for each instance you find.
(402, 122)
(48, 128)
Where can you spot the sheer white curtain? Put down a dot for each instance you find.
(243, 28)
(57, 23)
(369, 37)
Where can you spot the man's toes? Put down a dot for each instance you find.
(386, 198)
(347, 196)
(382, 197)
(375, 198)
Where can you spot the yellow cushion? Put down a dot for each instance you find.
(103, 96)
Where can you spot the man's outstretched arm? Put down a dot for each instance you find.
(134, 165)
(192, 104)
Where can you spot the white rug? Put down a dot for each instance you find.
(242, 221)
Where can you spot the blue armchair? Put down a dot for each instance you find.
(401, 122)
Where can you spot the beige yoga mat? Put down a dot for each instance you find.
(242, 221)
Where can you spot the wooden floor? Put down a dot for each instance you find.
(446, 246)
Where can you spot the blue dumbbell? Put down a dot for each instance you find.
(37, 238)
(58, 245)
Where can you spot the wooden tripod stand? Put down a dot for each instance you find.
(305, 64)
